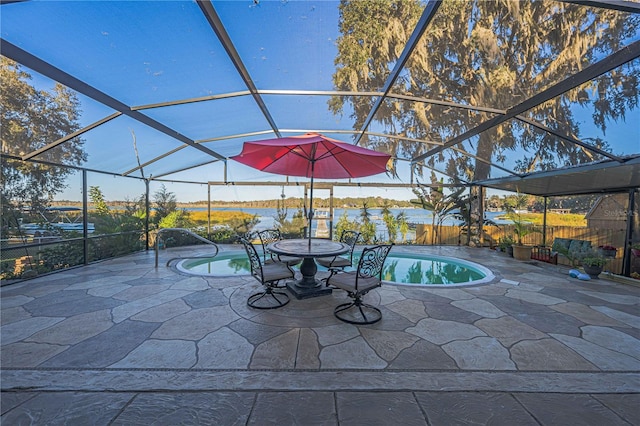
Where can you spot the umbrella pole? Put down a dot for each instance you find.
(313, 163)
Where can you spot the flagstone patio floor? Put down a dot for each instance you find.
(122, 342)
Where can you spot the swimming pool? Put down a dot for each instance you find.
(399, 268)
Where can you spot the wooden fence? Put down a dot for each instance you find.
(453, 235)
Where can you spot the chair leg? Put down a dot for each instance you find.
(348, 312)
(332, 272)
(270, 299)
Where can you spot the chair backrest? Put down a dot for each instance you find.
(254, 259)
(372, 261)
(267, 237)
(351, 239)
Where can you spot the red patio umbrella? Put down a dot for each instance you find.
(312, 155)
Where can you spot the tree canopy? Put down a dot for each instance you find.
(484, 55)
(30, 119)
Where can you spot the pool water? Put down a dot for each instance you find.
(431, 270)
(223, 265)
(399, 268)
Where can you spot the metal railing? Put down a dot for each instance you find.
(38, 253)
(183, 231)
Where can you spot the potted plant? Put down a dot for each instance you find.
(521, 227)
(592, 262)
(506, 244)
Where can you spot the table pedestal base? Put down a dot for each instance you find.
(307, 292)
(308, 286)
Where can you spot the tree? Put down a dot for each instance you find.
(344, 224)
(484, 54)
(401, 219)
(367, 228)
(97, 198)
(515, 206)
(136, 210)
(176, 219)
(441, 206)
(29, 120)
(293, 228)
(390, 221)
(165, 204)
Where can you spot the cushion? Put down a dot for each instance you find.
(334, 262)
(586, 245)
(561, 244)
(347, 281)
(575, 246)
(573, 273)
(583, 277)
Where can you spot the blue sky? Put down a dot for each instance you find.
(147, 52)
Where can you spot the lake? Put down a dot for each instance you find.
(415, 216)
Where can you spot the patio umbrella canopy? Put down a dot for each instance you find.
(312, 155)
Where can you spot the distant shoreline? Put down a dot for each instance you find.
(290, 203)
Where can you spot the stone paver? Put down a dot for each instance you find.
(127, 310)
(603, 358)
(68, 408)
(24, 329)
(586, 314)
(300, 408)
(138, 345)
(547, 354)
(553, 409)
(413, 310)
(16, 313)
(104, 349)
(534, 297)
(383, 408)
(478, 408)
(479, 353)
(195, 324)
(388, 344)
(613, 339)
(440, 332)
(74, 329)
(13, 301)
(335, 334)
(508, 330)
(308, 350)
(625, 405)
(480, 307)
(278, 352)
(29, 355)
(630, 320)
(224, 348)
(164, 312)
(613, 298)
(205, 408)
(160, 354)
(353, 353)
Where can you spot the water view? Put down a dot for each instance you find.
(414, 216)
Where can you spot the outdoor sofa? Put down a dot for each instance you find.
(566, 248)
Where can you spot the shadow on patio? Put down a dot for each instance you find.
(121, 342)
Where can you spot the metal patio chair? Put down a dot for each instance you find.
(269, 275)
(338, 263)
(358, 283)
(269, 236)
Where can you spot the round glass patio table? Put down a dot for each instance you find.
(308, 285)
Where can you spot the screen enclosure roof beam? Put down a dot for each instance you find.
(27, 59)
(218, 28)
(621, 57)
